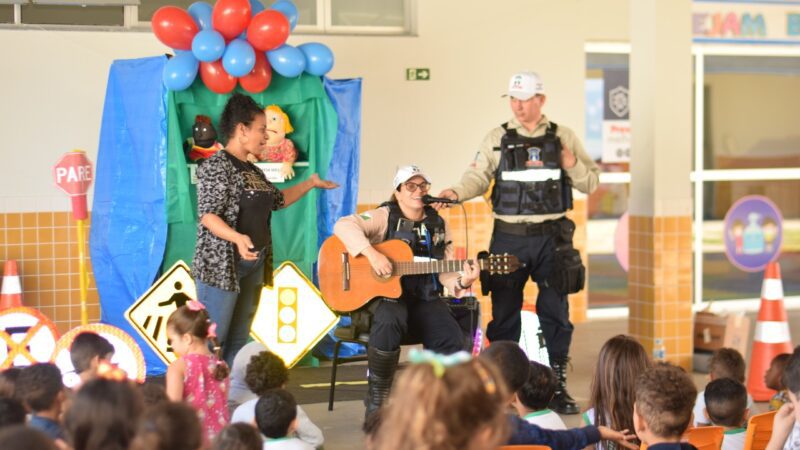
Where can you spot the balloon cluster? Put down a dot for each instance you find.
(235, 41)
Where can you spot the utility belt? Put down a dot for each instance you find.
(550, 227)
(568, 275)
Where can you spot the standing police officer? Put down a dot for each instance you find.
(534, 163)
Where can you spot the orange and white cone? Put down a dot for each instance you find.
(772, 333)
(11, 294)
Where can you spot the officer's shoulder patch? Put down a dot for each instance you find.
(365, 216)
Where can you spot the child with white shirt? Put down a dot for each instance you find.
(276, 417)
(532, 399)
(726, 406)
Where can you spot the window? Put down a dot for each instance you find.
(148, 7)
(326, 16)
(723, 281)
(608, 281)
(6, 13)
(73, 15)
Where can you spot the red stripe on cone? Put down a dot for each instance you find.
(11, 294)
(769, 341)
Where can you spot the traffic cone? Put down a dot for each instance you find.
(11, 295)
(772, 333)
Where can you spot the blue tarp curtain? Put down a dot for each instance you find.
(129, 227)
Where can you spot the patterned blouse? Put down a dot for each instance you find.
(219, 188)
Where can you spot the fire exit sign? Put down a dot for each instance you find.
(418, 74)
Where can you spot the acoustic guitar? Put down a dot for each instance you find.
(349, 283)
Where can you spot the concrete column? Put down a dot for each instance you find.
(660, 276)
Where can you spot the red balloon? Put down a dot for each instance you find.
(230, 17)
(174, 27)
(216, 78)
(268, 30)
(259, 78)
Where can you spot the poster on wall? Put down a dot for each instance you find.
(616, 119)
(753, 233)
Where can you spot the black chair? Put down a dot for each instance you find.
(466, 311)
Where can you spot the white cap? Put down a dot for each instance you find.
(405, 173)
(525, 85)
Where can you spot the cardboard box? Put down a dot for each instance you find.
(713, 332)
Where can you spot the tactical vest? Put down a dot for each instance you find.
(427, 240)
(529, 179)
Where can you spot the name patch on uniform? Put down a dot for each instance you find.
(532, 175)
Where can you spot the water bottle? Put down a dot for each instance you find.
(659, 350)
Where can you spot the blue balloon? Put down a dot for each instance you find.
(256, 7)
(201, 13)
(208, 45)
(287, 60)
(319, 58)
(288, 9)
(180, 71)
(239, 58)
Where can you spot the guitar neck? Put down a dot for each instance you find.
(434, 266)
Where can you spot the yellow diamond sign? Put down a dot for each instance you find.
(291, 316)
(150, 312)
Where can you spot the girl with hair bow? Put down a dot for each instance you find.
(199, 376)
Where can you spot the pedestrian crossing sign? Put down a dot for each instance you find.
(148, 315)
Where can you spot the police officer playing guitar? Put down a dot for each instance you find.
(420, 311)
(534, 164)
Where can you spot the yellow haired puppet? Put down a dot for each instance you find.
(279, 148)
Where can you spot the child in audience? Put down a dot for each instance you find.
(276, 417)
(41, 389)
(87, 352)
(445, 402)
(532, 398)
(725, 363)
(153, 393)
(621, 359)
(238, 436)
(514, 369)
(168, 426)
(239, 391)
(11, 412)
(726, 406)
(267, 371)
(663, 407)
(786, 425)
(103, 415)
(773, 379)
(8, 381)
(198, 376)
(20, 437)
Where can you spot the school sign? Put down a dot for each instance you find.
(767, 22)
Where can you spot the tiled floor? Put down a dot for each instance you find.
(342, 427)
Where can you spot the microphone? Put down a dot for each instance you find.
(427, 199)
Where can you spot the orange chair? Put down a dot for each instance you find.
(759, 430)
(524, 447)
(706, 438)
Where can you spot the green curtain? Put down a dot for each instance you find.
(294, 229)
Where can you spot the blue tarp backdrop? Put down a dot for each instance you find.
(129, 222)
(129, 226)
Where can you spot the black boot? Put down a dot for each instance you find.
(562, 403)
(382, 366)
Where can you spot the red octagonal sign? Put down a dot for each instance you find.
(73, 173)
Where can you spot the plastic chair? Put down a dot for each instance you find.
(759, 430)
(524, 447)
(706, 438)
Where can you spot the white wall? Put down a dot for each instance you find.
(53, 88)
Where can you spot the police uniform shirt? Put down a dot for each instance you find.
(584, 175)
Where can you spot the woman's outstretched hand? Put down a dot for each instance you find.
(317, 182)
